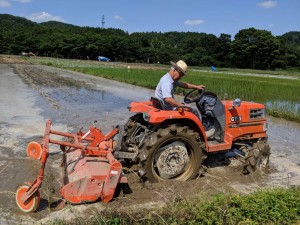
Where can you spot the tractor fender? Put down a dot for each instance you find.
(158, 116)
(174, 117)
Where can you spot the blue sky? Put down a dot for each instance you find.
(208, 16)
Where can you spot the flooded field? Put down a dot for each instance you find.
(30, 94)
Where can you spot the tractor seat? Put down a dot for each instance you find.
(156, 103)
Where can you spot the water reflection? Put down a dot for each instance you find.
(78, 107)
(288, 107)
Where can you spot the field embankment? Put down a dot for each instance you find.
(275, 206)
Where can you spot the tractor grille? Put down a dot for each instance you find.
(256, 114)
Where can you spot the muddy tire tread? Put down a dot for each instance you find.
(157, 139)
(260, 150)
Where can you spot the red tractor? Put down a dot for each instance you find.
(164, 144)
(173, 144)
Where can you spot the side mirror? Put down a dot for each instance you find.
(236, 103)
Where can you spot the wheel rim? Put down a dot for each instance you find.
(34, 150)
(31, 204)
(172, 160)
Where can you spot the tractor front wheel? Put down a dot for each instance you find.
(31, 204)
(257, 157)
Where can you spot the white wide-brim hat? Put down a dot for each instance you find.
(181, 66)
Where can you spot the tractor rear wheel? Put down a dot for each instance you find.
(30, 205)
(174, 153)
(257, 157)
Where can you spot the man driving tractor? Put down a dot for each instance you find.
(165, 88)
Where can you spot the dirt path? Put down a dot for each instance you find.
(73, 100)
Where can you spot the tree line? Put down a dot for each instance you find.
(250, 48)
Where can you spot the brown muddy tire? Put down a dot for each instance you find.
(257, 157)
(180, 161)
(130, 126)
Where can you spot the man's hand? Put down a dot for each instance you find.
(200, 87)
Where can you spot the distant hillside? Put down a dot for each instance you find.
(57, 24)
(292, 37)
(13, 21)
(64, 40)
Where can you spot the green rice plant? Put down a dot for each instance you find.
(140, 77)
(262, 89)
(257, 89)
(272, 206)
(287, 110)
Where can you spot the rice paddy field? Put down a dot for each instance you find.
(278, 90)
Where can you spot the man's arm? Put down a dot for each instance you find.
(190, 86)
(173, 102)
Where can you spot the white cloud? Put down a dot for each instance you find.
(271, 25)
(267, 4)
(44, 17)
(193, 22)
(4, 3)
(22, 1)
(7, 3)
(118, 17)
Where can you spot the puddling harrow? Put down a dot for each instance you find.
(90, 170)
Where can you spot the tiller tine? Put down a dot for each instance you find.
(90, 170)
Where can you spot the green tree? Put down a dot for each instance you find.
(223, 50)
(290, 48)
(251, 48)
(255, 49)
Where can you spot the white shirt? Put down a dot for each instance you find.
(165, 89)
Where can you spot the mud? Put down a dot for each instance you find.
(30, 94)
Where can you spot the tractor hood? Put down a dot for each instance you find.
(245, 112)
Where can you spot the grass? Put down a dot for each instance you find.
(273, 206)
(281, 96)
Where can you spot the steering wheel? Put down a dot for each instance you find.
(187, 99)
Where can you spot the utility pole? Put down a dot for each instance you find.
(103, 21)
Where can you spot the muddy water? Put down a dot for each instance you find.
(73, 100)
(284, 138)
(19, 120)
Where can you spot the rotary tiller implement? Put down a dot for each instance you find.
(90, 170)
